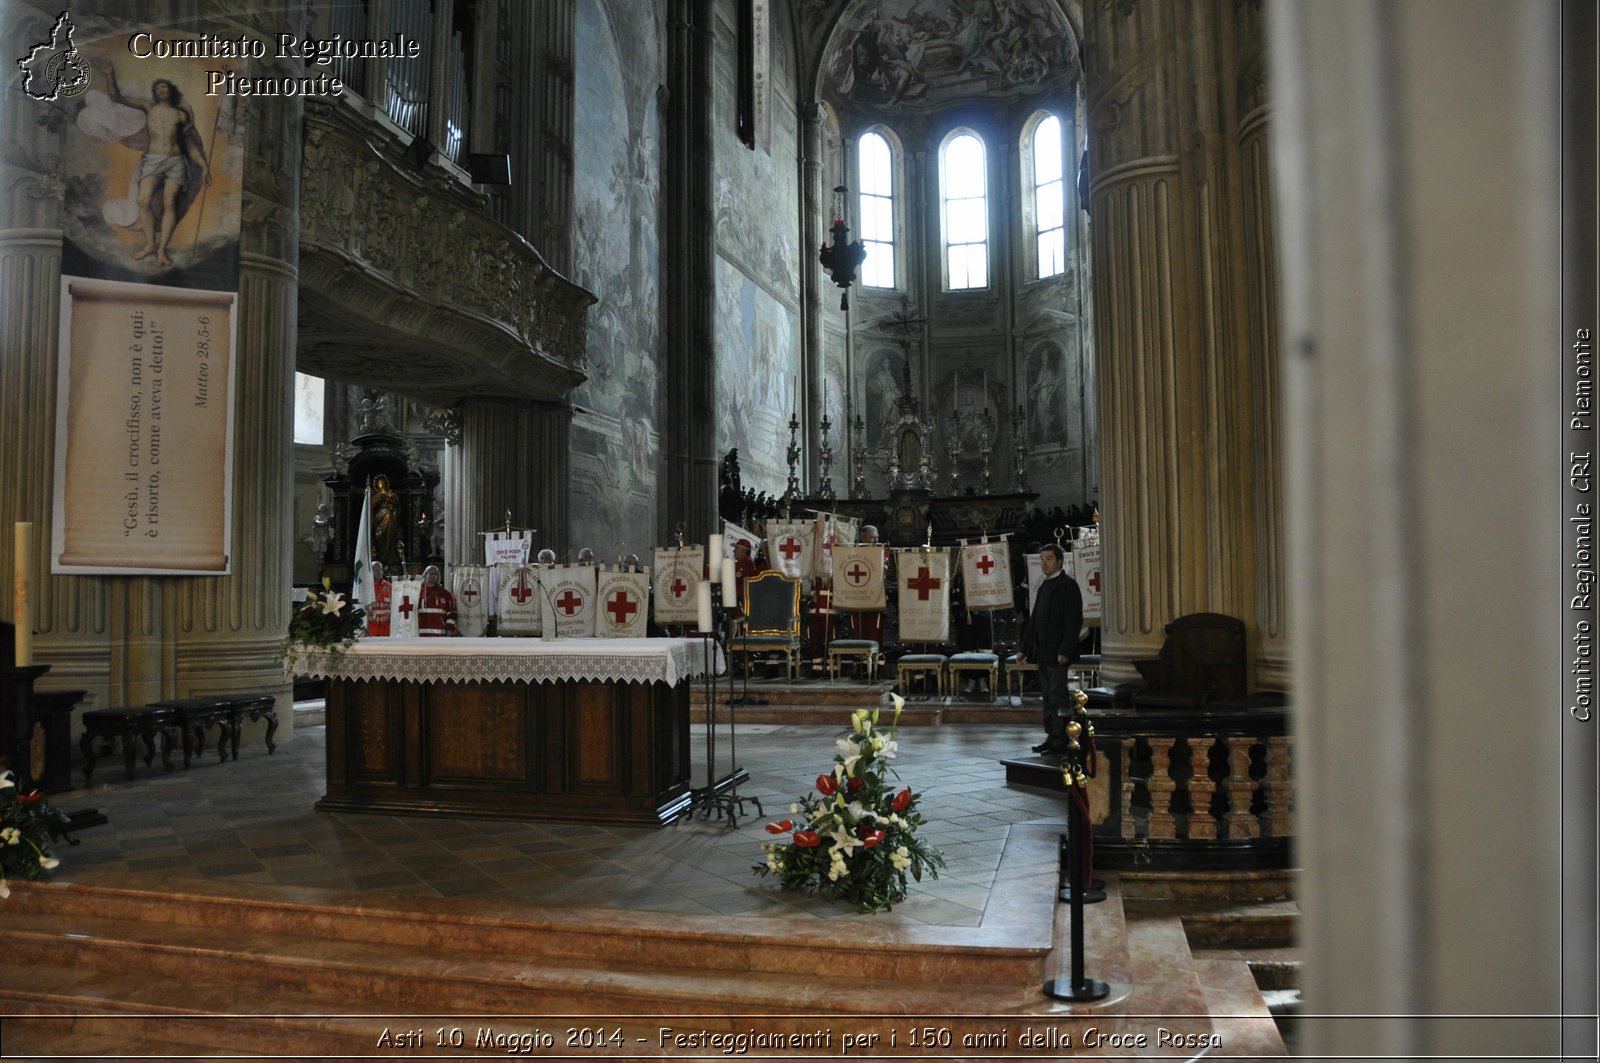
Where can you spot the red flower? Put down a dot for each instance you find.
(902, 800)
(807, 839)
(827, 785)
(870, 837)
(855, 783)
(779, 828)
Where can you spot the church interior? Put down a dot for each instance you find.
(1261, 301)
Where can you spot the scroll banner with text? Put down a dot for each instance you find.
(407, 598)
(922, 581)
(153, 172)
(506, 548)
(144, 430)
(1086, 570)
(567, 604)
(518, 610)
(858, 578)
(470, 585)
(790, 545)
(624, 602)
(986, 575)
(677, 571)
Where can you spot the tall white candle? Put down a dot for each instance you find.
(729, 586)
(22, 603)
(714, 552)
(702, 605)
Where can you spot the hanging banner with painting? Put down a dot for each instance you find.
(152, 171)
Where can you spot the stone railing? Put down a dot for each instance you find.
(1194, 789)
(402, 269)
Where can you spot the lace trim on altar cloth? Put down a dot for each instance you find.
(670, 665)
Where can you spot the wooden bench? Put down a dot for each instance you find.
(125, 725)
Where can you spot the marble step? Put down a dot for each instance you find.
(575, 936)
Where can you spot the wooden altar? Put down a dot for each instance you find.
(595, 730)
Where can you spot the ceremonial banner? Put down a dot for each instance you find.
(1086, 570)
(922, 579)
(858, 578)
(144, 430)
(518, 611)
(506, 548)
(677, 571)
(829, 531)
(362, 592)
(403, 618)
(624, 598)
(732, 533)
(1036, 575)
(789, 547)
(567, 604)
(986, 575)
(470, 585)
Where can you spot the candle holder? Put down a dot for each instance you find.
(952, 446)
(792, 490)
(825, 460)
(858, 453)
(719, 795)
(986, 445)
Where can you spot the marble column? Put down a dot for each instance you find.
(131, 639)
(815, 200)
(1180, 390)
(515, 456)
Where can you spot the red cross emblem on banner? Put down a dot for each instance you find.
(856, 574)
(679, 588)
(1094, 580)
(923, 583)
(406, 608)
(985, 564)
(569, 602)
(520, 591)
(469, 592)
(621, 606)
(789, 547)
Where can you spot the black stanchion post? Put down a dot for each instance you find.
(1081, 987)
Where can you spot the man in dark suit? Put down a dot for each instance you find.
(1050, 640)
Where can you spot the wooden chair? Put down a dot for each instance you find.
(772, 619)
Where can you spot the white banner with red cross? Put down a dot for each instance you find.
(922, 581)
(568, 601)
(1086, 570)
(828, 531)
(1036, 575)
(677, 571)
(791, 546)
(986, 575)
(858, 578)
(517, 612)
(403, 616)
(624, 604)
(470, 585)
(732, 534)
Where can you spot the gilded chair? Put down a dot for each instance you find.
(772, 619)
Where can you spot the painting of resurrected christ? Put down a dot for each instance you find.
(153, 179)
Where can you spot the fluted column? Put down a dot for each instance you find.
(1182, 457)
(811, 236)
(514, 455)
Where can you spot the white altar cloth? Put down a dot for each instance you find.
(463, 660)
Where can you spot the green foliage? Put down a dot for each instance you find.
(25, 824)
(325, 621)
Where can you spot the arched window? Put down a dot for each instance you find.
(1049, 197)
(966, 213)
(876, 205)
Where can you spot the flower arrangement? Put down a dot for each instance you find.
(25, 824)
(856, 839)
(326, 620)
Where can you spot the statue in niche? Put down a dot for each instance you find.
(1044, 415)
(385, 521)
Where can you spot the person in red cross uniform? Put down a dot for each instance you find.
(382, 603)
(436, 612)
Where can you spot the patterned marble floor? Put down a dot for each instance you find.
(252, 821)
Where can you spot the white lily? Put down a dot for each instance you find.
(11, 836)
(333, 603)
(900, 858)
(48, 862)
(6, 780)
